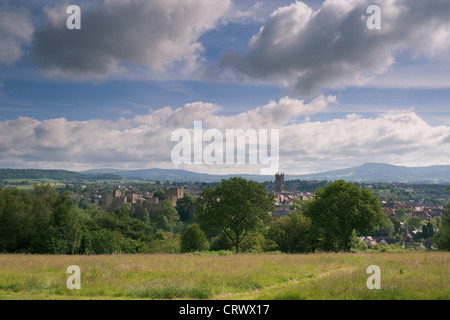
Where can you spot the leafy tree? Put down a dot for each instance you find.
(193, 239)
(397, 225)
(220, 242)
(413, 223)
(160, 222)
(425, 234)
(237, 207)
(386, 230)
(105, 241)
(145, 217)
(65, 231)
(430, 230)
(15, 224)
(291, 233)
(170, 213)
(442, 237)
(186, 206)
(159, 194)
(126, 211)
(400, 213)
(340, 208)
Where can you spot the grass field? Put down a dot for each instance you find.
(405, 276)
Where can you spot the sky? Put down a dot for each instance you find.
(110, 95)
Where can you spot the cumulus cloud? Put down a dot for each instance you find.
(397, 137)
(144, 141)
(16, 31)
(115, 34)
(308, 50)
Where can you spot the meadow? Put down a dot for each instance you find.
(421, 275)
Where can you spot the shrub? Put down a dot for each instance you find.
(193, 239)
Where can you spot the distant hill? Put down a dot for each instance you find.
(61, 175)
(369, 172)
(175, 175)
(379, 172)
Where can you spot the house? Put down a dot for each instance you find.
(422, 215)
(369, 241)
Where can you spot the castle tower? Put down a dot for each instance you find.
(279, 182)
(174, 193)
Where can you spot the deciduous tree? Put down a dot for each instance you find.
(339, 209)
(237, 207)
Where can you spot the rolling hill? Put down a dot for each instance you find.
(369, 172)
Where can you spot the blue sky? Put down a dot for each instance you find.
(110, 94)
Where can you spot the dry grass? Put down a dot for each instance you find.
(407, 275)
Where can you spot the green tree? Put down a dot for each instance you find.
(105, 241)
(237, 207)
(168, 218)
(291, 233)
(400, 213)
(220, 242)
(386, 230)
(186, 206)
(44, 197)
(169, 211)
(15, 221)
(159, 194)
(442, 237)
(145, 217)
(430, 230)
(126, 211)
(65, 227)
(413, 223)
(339, 209)
(193, 239)
(425, 234)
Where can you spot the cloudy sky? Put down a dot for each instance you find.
(110, 95)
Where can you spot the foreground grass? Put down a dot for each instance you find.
(406, 276)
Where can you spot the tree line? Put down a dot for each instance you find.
(238, 212)
(235, 215)
(61, 175)
(47, 222)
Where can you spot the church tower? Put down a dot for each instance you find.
(279, 182)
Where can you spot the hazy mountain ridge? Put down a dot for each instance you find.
(369, 172)
(6, 174)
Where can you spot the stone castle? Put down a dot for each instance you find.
(111, 201)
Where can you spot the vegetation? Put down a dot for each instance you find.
(291, 234)
(236, 207)
(335, 276)
(341, 210)
(442, 238)
(234, 215)
(61, 175)
(60, 233)
(193, 239)
(43, 221)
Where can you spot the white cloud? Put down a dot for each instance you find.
(116, 34)
(16, 30)
(309, 50)
(401, 138)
